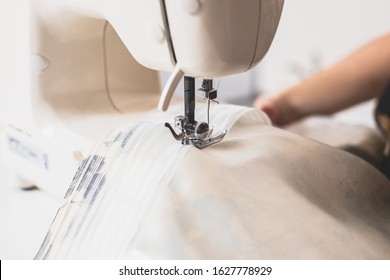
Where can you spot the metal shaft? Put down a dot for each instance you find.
(189, 99)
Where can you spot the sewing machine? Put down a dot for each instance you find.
(93, 65)
(83, 68)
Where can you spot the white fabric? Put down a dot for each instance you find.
(261, 193)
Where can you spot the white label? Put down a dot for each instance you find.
(28, 152)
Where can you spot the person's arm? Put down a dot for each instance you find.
(359, 77)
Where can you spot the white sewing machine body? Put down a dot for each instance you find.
(88, 73)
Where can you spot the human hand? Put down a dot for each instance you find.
(278, 108)
(269, 106)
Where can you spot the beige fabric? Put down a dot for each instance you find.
(363, 141)
(261, 193)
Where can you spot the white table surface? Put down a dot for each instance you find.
(25, 217)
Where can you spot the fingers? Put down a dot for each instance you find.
(268, 106)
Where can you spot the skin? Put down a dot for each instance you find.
(361, 76)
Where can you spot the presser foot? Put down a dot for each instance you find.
(198, 134)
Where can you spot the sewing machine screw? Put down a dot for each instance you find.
(201, 130)
(207, 91)
(181, 121)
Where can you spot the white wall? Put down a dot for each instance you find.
(316, 33)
